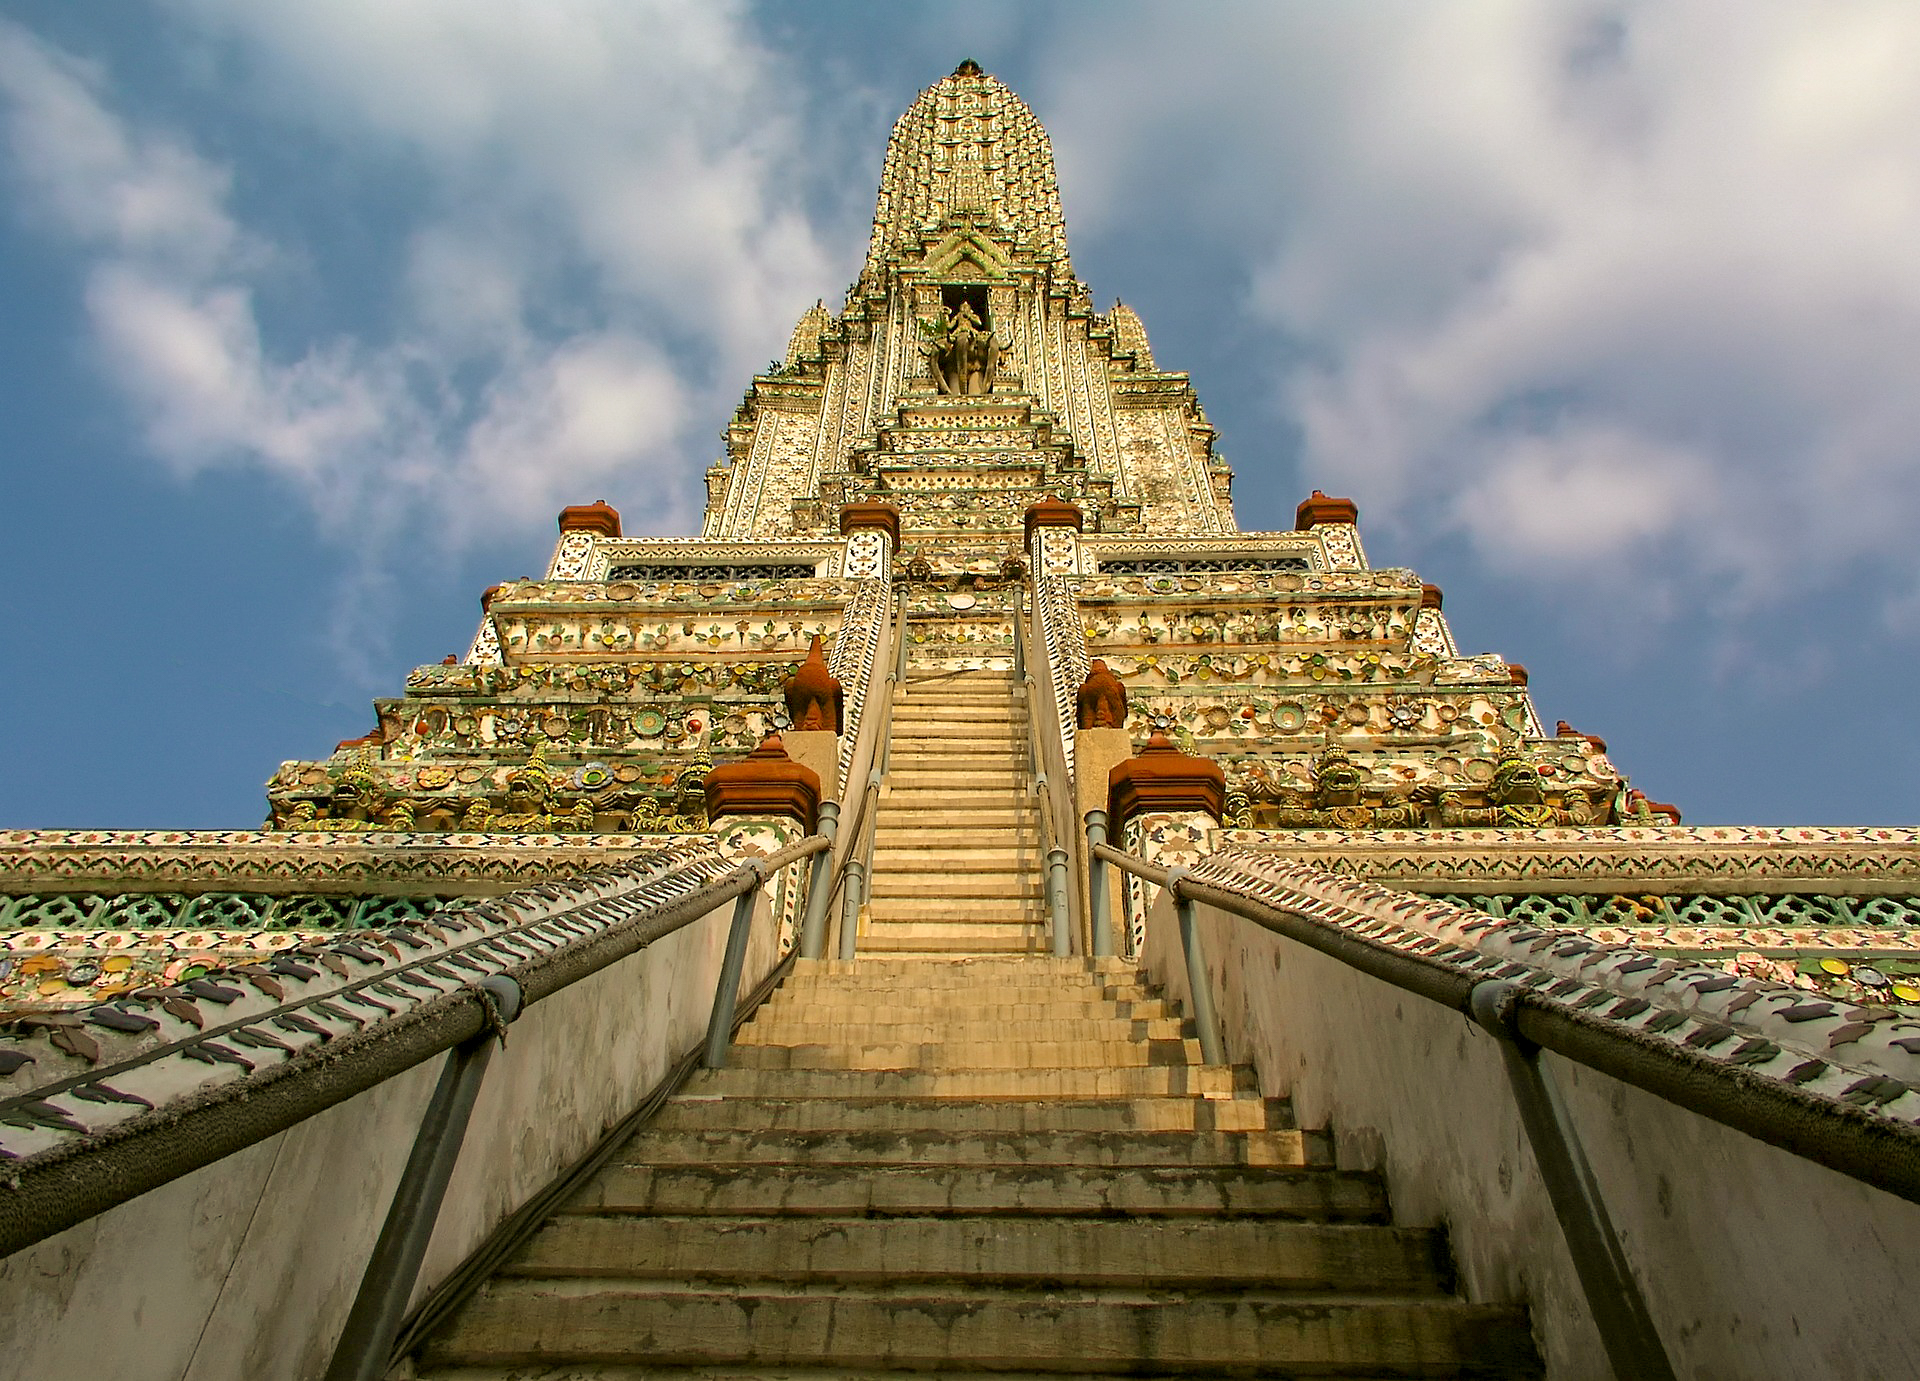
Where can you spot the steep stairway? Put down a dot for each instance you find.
(1013, 1166)
(957, 852)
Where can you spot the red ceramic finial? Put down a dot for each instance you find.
(1102, 701)
(597, 516)
(814, 698)
(1161, 779)
(765, 782)
(882, 517)
(1318, 509)
(1052, 513)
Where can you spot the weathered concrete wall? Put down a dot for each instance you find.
(247, 1268)
(1755, 1263)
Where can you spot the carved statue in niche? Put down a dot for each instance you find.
(963, 354)
(1338, 801)
(1517, 799)
(530, 804)
(358, 794)
(1102, 702)
(359, 800)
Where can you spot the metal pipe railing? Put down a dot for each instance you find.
(852, 879)
(365, 1346)
(813, 924)
(1050, 773)
(366, 1340)
(1613, 1296)
(1098, 920)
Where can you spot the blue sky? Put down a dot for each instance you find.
(315, 315)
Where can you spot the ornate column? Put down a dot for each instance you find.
(872, 533)
(484, 651)
(1336, 523)
(1164, 805)
(579, 525)
(1053, 555)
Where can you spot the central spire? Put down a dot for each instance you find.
(968, 149)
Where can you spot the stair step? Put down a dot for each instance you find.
(1008, 940)
(553, 1322)
(939, 841)
(1160, 1081)
(899, 927)
(973, 1191)
(1014, 983)
(1028, 1249)
(969, 1116)
(901, 796)
(783, 1027)
(1014, 783)
(999, 736)
(962, 886)
(972, 1056)
(1289, 1149)
(958, 860)
(908, 1014)
(916, 815)
(959, 911)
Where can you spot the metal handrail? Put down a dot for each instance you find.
(851, 881)
(1526, 1021)
(366, 1340)
(1059, 911)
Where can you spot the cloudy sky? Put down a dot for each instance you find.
(313, 315)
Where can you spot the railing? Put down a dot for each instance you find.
(1613, 1296)
(1881, 1152)
(555, 935)
(1052, 781)
(366, 1343)
(850, 872)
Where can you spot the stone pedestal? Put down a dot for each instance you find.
(1096, 752)
(818, 751)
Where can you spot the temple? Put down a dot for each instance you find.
(977, 908)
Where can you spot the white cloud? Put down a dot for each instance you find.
(574, 420)
(132, 191)
(600, 237)
(1581, 495)
(1611, 259)
(652, 143)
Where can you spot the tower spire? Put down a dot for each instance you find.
(968, 146)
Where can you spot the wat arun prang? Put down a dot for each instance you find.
(967, 427)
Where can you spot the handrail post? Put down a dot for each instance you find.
(1198, 983)
(1019, 640)
(852, 894)
(1057, 901)
(1618, 1308)
(726, 994)
(366, 1342)
(1097, 886)
(900, 639)
(813, 925)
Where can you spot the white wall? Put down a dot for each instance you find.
(246, 1269)
(1755, 1263)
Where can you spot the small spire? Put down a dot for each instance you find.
(967, 68)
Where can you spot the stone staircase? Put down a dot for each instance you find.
(957, 853)
(999, 1165)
